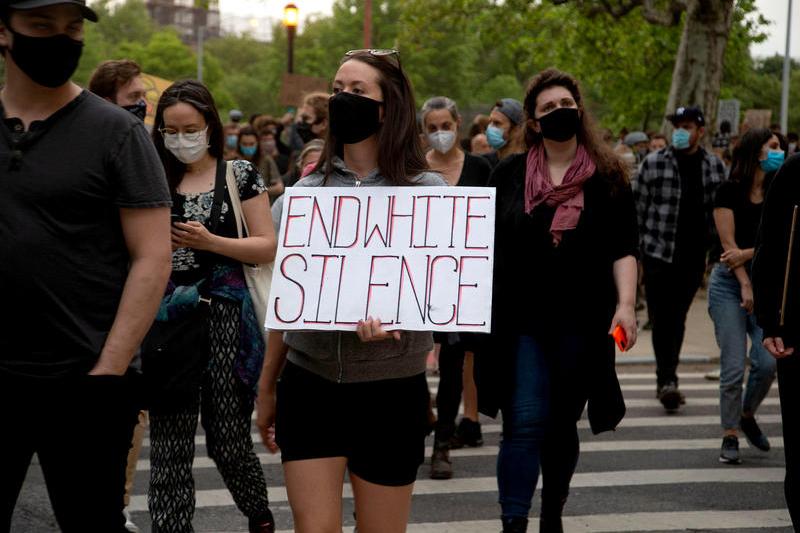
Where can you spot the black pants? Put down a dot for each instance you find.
(81, 430)
(226, 407)
(670, 290)
(789, 386)
(451, 385)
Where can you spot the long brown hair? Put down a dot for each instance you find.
(400, 155)
(745, 159)
(609, 165)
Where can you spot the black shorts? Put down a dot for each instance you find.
(379, 426)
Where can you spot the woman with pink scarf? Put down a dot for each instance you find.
(565, 277)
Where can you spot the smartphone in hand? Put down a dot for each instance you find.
(620, 338)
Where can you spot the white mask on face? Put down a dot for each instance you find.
(187, 148)
(442, 141)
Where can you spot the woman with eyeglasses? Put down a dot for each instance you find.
(737, 214)
(207, 260)
(440, 123)
(566, 241)
(354, 402)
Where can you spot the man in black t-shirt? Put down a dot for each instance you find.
(674, 194)
(84, 259)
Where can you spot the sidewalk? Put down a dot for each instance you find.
(699, 344)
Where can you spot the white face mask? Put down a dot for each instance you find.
(442, 141)
(187, 147)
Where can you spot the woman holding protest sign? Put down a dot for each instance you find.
(354, 401)
(441, 122)
(566, 241)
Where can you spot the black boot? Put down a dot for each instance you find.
(262, 524)
(468, 433)
(550, 525)
(550, 519)
(440, 460)
(515, 525)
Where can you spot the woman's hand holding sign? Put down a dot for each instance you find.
(371, 330)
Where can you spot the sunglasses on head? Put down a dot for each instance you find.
(377, 52)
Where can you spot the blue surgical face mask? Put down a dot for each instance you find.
(494, 136)
(248, 151)
(773, 161)
(231, 141)
(680, 139)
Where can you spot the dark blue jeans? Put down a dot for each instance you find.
(536, 434)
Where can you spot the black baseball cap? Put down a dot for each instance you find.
(694, 114)
(88, 13)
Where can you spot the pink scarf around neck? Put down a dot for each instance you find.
(567, 198)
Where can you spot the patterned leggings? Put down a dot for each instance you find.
(226, 410)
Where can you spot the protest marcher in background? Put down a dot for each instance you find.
(207, 257)
(566, 233)
(120, 82)
(440, 122)
(362, 407)
(479, 145)
(737, 213)
(268, 130)
(231, 150)
(478, 127)
(506, 131)
(639, 143)
(674, 194)
(792, 139)
(250, 150)
(307, 161)
(84, 241)
(777, 309)
(658, 142)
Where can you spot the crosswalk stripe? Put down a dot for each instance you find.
(625, 376)
(627, 422)
(633, 403)
(665, 521)
(490, 451)
(623, 478)
(651, 387)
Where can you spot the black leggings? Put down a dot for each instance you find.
(789, 387)
(451, 385)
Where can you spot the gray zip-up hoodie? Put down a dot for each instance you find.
(341, 356)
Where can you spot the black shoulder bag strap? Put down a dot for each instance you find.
(216, 211)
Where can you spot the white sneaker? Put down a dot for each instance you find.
(129, 525)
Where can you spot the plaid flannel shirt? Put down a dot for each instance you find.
(657, 193)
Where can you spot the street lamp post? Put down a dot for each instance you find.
(290, 20)
(787, 63)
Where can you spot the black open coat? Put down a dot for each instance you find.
(772, 249)
(564, 296)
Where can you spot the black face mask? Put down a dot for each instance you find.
(48, 61)
(139, 109)
(353, 118)
(303, 129)
(560, 125)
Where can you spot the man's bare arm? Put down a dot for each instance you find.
(147, 236)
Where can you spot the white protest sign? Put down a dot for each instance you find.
(417, 258)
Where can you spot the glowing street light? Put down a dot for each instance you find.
(291, 17)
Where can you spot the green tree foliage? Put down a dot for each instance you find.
(475, 51)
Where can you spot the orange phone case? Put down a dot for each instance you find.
(620, 338)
